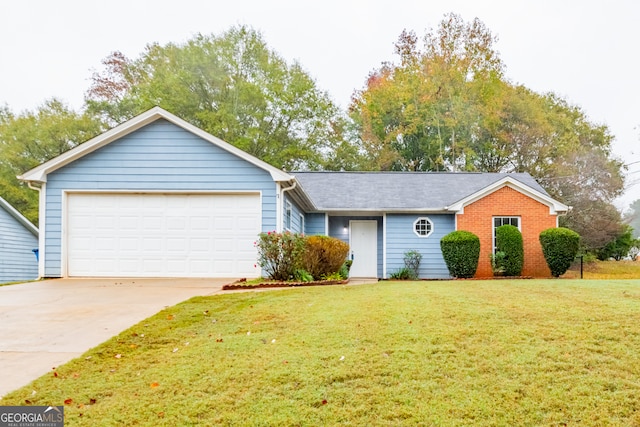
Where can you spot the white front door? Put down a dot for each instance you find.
(364, 248)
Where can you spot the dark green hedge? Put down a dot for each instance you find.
(461, 251)
(560, 246)
(509, 241)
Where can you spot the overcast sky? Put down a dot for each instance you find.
(585, 51)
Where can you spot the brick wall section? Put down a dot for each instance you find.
(534, 217)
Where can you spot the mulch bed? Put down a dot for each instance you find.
(244, 285)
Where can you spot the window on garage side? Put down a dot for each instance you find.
(503, 220)
(423, 227)
(287, 216)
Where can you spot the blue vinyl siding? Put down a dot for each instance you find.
(17, 260)
(315, 223)
(160, 156)
(337, 229)
(401, 238)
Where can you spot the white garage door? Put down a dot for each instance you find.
(162, 235)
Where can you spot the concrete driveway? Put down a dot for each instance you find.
(45, 324)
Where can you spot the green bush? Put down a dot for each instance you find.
(461, 251)
(509, 241)
(279, 254)
(559, 246)
(404, 273)
(323, 255)
(344, 269)
(619, 247)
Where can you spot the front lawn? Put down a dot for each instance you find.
(446, 353)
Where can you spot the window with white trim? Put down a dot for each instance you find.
(287, 216)
(302, 223)
(499, 221)
(423, 227)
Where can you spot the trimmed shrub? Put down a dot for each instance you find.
(559, 246)
(461, 252)
(509, 241)
(279, 254)
(323, 255)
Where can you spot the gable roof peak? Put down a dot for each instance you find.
(39, 173)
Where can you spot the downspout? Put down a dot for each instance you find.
(280, 216)
(41, 229)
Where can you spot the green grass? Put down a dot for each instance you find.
(446, 353)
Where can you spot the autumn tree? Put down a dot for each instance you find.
(231, 85)
(447, 106)
(423, 114)
(33, 137)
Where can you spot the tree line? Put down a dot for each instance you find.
(446, 105)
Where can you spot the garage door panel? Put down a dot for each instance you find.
(162, 235)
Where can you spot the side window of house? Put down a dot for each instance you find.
(287, 216)
(503, 220)
(302, 223)
(423, 227)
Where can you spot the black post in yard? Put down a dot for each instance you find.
(581, 258)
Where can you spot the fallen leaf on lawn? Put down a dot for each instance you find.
(68, 401)
(88, 358)
(187, 343)
(80, 406)
(273, 341)
(219, 340)
(33, 393)
(118, 356)
(142, 335)
(155, 384)
(160, 414)
(92, 401)
(175, 350)
(76, 375)
(341, 358)
(133, 345)
(324, 401)
(248, 332)
(205, 312)
(170, 317)
(27, 401)
(55, 374)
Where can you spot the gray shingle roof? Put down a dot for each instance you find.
(397, 191)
